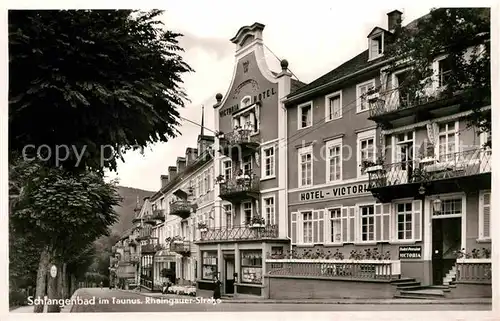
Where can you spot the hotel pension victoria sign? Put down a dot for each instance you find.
(335, 192)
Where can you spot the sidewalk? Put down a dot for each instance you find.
(327, 301)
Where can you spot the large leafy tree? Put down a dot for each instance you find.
(90, 80)
(463, 34)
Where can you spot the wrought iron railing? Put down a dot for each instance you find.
(474, 270)
(383, 102)
(466, 163)
(239, 136)
(361, 270)
(240, 184)
(239, 233)
(144, 233)
(180, 246)
(151, 248)
(158, 215)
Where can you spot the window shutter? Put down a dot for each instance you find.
(386, 222)
(417, 220)
(345, 224)
(486, 215)
(321, 226)
(378, 222)
(293, 229)
(352, 224)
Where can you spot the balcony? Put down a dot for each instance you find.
(451, 172)
(158, 215)
(181, 247)
(144, 233)
(134, 259)
(240, 188)
(150, 248)
(393, 109)
(236, 233)
(148, 219)
(181, 208)
(239, 142)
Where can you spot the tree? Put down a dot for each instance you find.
(62, 212)
(92, 79)
(464, 35)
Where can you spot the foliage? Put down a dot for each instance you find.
(24, 256)
(476, 253)
(92, 78)
(367, 254)
(258, 220)
(202, 225)
(453, 31)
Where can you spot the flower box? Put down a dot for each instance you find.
(178, 242)
(373, 97)
(257, 225)
(376, 168)
(203, 229)
(474, 261)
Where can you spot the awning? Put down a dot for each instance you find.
(164, 256)
(181, 194)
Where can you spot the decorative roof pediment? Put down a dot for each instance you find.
(375, 31)
(247, 34)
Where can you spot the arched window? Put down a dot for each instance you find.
(246, 101)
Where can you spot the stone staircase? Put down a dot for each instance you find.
(451, 276)
(409, 288)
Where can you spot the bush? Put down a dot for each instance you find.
(17, 298)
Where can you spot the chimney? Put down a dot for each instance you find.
(393, 19)
(164, 180)
(191, 154)
(172, 171)
(181, 164)
(204, 142)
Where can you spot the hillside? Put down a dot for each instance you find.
(126, 209)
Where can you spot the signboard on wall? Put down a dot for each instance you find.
(410, 252)
(334, 192)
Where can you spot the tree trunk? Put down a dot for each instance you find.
(41, 279)
(62, 281)
(73, 284)
(53, 289)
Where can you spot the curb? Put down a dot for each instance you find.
(478, 301)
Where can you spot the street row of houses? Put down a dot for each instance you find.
(344, 179)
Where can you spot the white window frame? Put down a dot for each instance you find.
(328, 115)
(371, 39)
(328, 226)
(302, 151)
(231, 214)
(455, 131)
(435, 72)
(301, 230)
(364, 136)
(360, 223)
(330, 144)
(242, 211)
(265, 207)
(264, 160)
(481, 231)
(243, 104)
(299, 114)
(224, 168)
(359, 99)
(239, 116)
(396, 227)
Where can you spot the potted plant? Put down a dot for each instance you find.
(257, 221)
(372, 95)
(177, 240)
(202, 226)
(220, 179)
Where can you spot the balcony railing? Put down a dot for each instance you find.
(181, 247)
(144, 233)
(240, 233)
(359, 270)
(454, 165)
(150, 248)
(474, 271)
(240, 136)
(158, 215)
(391, 100)
(240, 187)
(181, 208)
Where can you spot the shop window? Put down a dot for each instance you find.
(209, 265)
(251, 267)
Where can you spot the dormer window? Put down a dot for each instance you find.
(246, 101)
(247, 117)
(376, 46)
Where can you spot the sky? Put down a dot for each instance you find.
(314, 39)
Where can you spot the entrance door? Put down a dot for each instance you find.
(229, 284)
(173, 272)
(446, 239)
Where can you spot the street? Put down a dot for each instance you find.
(134, 302)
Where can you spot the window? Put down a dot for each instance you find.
(451, 206)
(247, 118)
(305, 115)
(367, 223)
(335, 225)
(247, 212)
(444, 71)
(404, 218)
(208, 180)
(268, 167)
(334, 160)
(333, 106)
(247, 165)
(307, 223)
(376, 46)
(269, 210)
(246, 101)
(209, 265)
(200, 186)
(251, 267)
(448, 141)
(361, 94)
(228, 213)
(484, 215)
(227, 169)
(366, 149)
(305, 167)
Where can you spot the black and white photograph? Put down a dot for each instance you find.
(255, 156)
